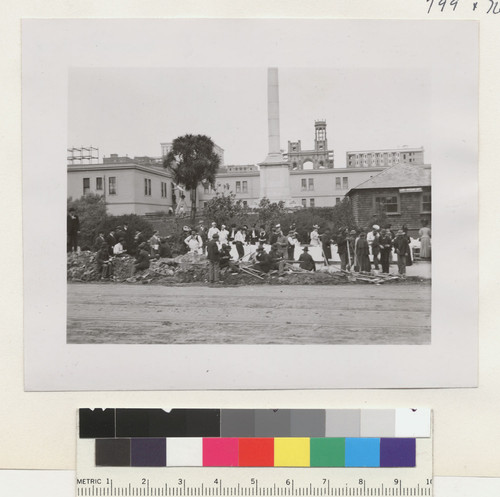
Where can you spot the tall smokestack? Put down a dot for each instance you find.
(273, 116)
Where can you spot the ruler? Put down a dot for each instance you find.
(238, 482)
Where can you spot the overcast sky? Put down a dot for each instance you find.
(131, 110)
(379, 84)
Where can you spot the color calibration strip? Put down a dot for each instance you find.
(257, 452)
(370, 438)
(254, 423)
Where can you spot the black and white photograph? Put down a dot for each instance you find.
(302, 192)
(234, 227)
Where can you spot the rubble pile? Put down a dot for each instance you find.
(193, 268)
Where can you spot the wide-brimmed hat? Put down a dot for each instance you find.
(376, 227)
(306, 249)
(316, 227)
(400, 232)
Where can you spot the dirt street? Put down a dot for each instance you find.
(341, 314)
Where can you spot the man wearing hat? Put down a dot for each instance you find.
(213, 229)
(141, 258)
(73, 226)
(306, 261)
(213, 256)
(342, 241)
(263, 260)
(401, 248)
(223, 234)
(385, 242)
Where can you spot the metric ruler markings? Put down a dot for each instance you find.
(291, 490)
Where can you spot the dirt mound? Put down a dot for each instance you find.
(193, 268)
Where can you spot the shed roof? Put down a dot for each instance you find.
(401, 175)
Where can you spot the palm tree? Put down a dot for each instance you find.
(192, 160)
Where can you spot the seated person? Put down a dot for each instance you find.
(142, 258)
(306, 261)
(276, 257)
(263, 261)
(225, 259)
(104, 264)
(119, 249)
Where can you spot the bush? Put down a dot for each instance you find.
(91, 210)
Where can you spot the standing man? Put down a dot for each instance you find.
(282, 241)
(385, 242)
(212, 231)
(111, 240)
(326, 245)
(254, 234)
(223, 234)
(73, 227)
(362, 254)
(195, 243)
(213, 256)
(401, 248)
(239, 241)
(342, 241)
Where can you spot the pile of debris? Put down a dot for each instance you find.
(193, 268)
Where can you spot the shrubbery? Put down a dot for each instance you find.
(91, 209)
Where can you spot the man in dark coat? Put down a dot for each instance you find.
(276, 257)
(385, 244)
(362, 254)
(342, 242)
(306, 260)
(401, 247)
(263, 260)
(73, 229)
(99, 241)
(213, 256)
(141, 258)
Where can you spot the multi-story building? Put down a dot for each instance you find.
(127, 185)
(141, 185)
(384, 158)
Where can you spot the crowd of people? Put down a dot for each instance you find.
(216, 242)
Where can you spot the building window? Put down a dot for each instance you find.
(345, 182)
(238, 187)
(86, 186)
(112, 185)
(147, 186)
(387, 204)
(304, 202)
(311, 202)
(245, 186)
(98, 183)
(337, 183)
(426, 202)
(337, 200)
(311, 183)
(303, 184)
(163, 189)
